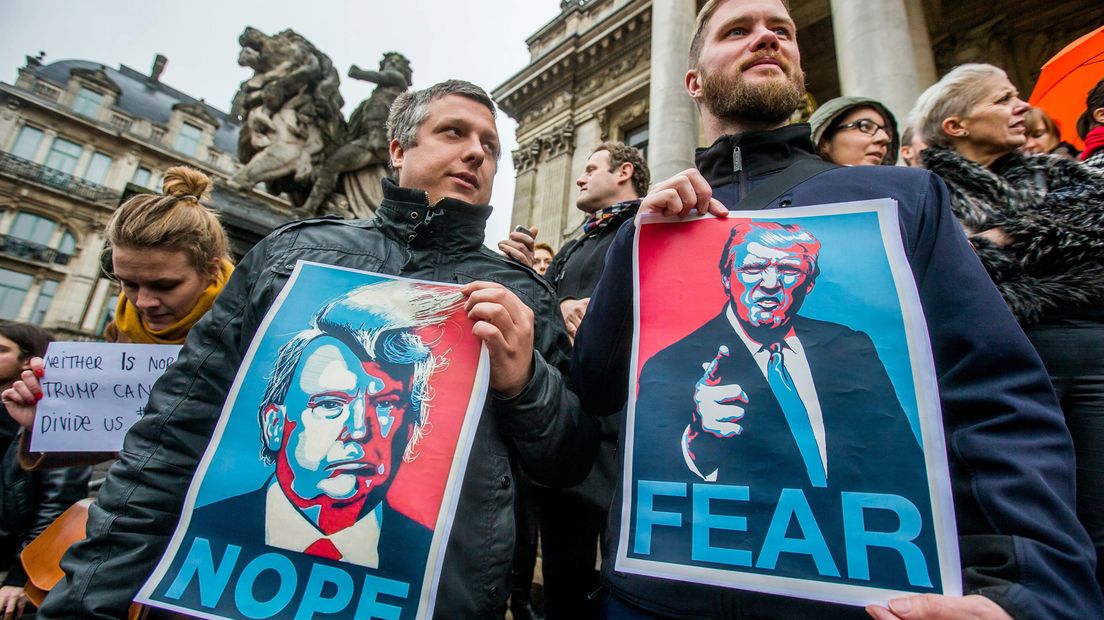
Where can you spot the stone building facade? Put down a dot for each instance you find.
(77, 137)
(613, 69)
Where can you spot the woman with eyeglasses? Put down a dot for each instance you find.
(1037, 226)
(855, 131)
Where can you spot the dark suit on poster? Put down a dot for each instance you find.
(870, 446)
(240, 520)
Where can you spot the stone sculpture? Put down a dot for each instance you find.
(290, 111)
(363, 155)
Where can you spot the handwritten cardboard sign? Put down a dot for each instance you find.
(93, 392)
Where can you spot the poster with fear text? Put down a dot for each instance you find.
(331, 481)
(783, 431)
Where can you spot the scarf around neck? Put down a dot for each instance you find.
(602, 217)
(1094, 143)
(129, 323)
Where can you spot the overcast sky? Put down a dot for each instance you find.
(483, 42)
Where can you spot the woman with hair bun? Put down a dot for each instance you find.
(170, 256)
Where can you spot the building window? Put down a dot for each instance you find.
(187, 139)
(26, 144)
(30, 236)
(33, 228)
(42, 303)
(13, 290)
(66, 248)
(87, 103)
(63, 155)
(638, 137)
(108, 313)
(98, 167)
(142, 177)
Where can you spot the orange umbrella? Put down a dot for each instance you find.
(1066, 79)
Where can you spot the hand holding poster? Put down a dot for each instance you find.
(786, 435)
(93, 392)
(331, 481)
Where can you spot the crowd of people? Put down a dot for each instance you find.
(1003, 232)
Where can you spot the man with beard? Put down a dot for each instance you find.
(1023, 552)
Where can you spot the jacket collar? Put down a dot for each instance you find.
(761, 152)
(450, 225)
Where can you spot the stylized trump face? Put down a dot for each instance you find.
(345, 425)
(767, 270)
(348, 398)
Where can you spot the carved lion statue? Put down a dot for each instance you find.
(290, 111)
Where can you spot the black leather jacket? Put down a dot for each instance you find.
(542, 428)
(30, 500)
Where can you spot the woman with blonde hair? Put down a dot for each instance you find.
(1036, 224)
(170, 256)
(171, 259)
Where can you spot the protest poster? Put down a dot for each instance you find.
(783, 431)
(93, 392)
(331, 481)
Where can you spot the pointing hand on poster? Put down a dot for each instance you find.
(718, 405)
(682, 194)
(505, 324)
(21, 399)
(937, 607)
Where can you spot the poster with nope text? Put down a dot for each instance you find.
(331, 481)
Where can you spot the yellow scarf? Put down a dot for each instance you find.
(130, 326)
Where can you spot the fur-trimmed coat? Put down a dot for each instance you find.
(1053, 211)
(1096, 161)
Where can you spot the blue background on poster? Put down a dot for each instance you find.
(855, 288)
(233, 472)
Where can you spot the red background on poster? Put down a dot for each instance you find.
(420, 485)
(682, 293)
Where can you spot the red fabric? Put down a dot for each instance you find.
(323, 548)
(1094, 141)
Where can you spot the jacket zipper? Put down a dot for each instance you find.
(739, 177)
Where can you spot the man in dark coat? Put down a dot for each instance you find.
(573, 520)
(429, 226)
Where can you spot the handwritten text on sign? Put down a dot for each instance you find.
(92, 393)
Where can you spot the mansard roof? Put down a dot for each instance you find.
(141, 96)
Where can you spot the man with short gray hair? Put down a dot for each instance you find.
(444, 149)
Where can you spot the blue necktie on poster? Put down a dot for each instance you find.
(796, 415)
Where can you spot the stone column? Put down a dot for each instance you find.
(10, 123)
(554, 183)
(71, 299)
(672, 132)
(95, 308)
(526, 158)
(876, 53)
(48, 138)
(921, 44)
(81, 168)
